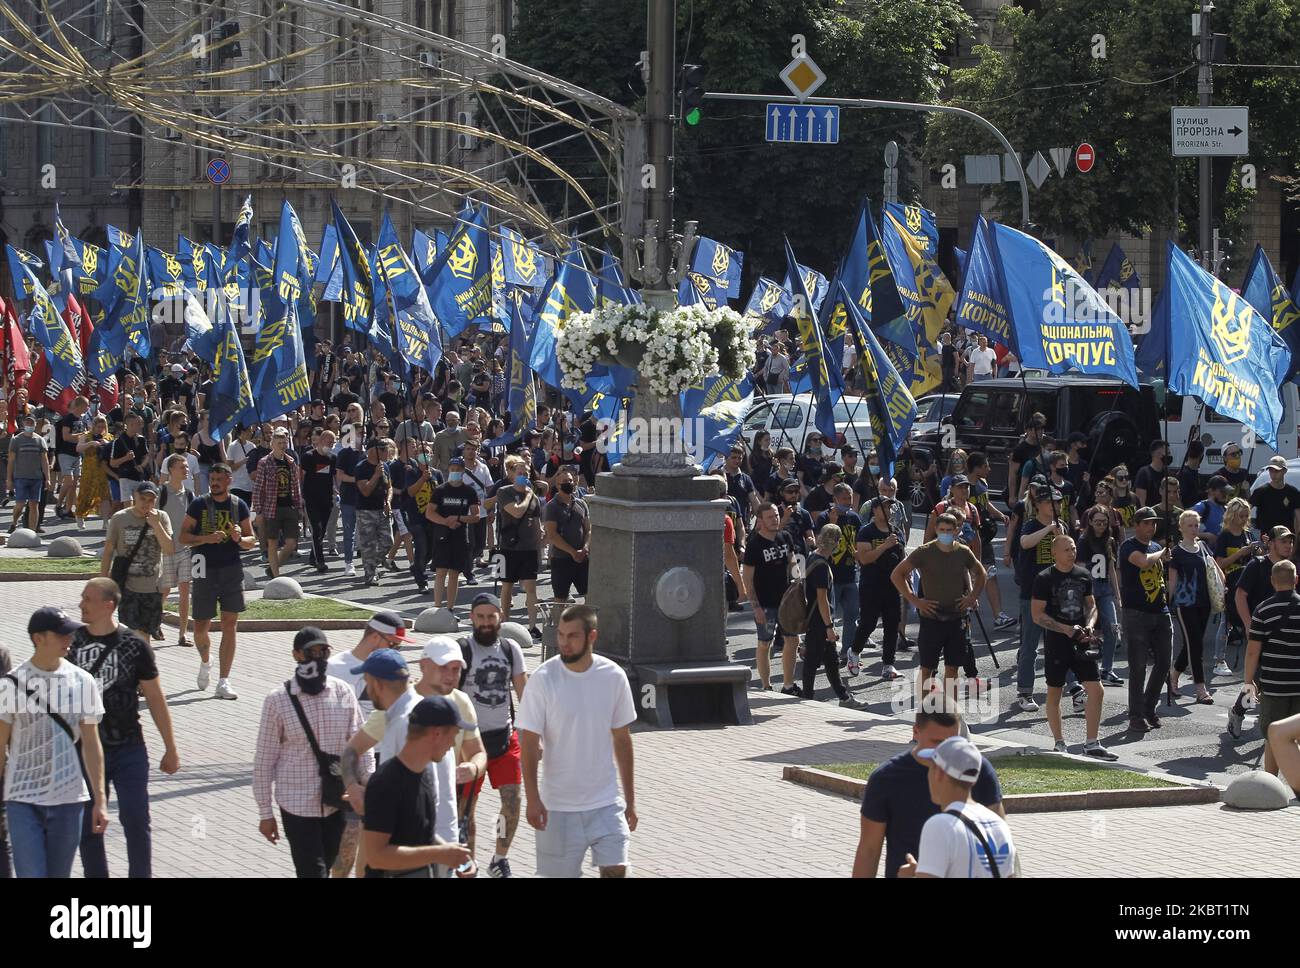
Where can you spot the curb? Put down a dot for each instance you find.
(1030, 802)
(283, 625)
(50, 576)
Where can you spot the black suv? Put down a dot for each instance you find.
(1120, 422)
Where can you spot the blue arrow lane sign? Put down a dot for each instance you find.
(803, 124)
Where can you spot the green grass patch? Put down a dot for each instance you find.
(1040, 773)
(311, 607)
(49, 566)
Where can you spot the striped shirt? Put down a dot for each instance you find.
(1276, 624)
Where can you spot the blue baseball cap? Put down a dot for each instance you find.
(384, 664)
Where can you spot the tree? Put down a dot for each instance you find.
(742, 190)
(1050, 90)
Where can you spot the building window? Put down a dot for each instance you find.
(449, 18)
(353, 141)
(505, 16)
(99, 154)
(45, 137)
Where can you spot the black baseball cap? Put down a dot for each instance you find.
(147, 487)
(308, 636)
(485, 598)
(47, 618)
(1145, 514)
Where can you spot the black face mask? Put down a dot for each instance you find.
(567, 487)
(310, 676)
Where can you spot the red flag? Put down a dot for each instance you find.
(108, 392)
(17, 361)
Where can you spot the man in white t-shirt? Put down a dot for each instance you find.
(982, 360)
(47, 704)
(960, 841)
(576, 714)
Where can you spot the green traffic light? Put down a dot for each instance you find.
(693, 116)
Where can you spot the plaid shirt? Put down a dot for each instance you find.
(265, 493)
(284, 759)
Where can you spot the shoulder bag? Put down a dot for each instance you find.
(974, 828)
(121, 566)
(331, 772)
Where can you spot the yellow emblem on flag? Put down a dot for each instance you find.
(90, 259)
(1229, 326)
(721, 260)
(914, 219)
(463, 259)
(525, 261)
(771, 296)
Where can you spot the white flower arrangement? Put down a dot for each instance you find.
(673, 351)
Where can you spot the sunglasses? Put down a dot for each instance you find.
(1122, 479)
(318, 651)
(1277, 470)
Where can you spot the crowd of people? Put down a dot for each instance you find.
(1146, 575)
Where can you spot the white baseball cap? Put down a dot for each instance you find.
(956, 756)
(443, 649)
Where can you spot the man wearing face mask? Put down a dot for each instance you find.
(318, 467)
(1238, 477)
(449, 442)
(844, 570)
(312, 711)
(519, 514)
(28, 473)
(568, 529)
(453, 507)
(880, 545)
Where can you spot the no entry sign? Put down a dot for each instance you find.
(1084, 157)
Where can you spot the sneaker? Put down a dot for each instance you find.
(1080, 698)
(224, 691)
(372, 581)
(1110, 679)
(350, 571)
(204, 676)
(1099, 752)
(1003, 621)
(269, 572)
(1060, 747)
(848, 702)
(422, 589)
(1221, 668)
(904, 644)
(157, 634)
(1026, 704)
(853, 667)
(469, 579)
(1153, 720)
(390, 564)
(792, 691)
(536, 633)
(321, 567)
(889, 673)
(500, 868)
(1236, 716)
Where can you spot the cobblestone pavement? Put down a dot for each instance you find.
(711, 800)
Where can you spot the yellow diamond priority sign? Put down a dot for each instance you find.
(802, 76)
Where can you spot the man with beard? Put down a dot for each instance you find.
(579, 708)
(312, 712)
(218, 529)
(492, 666)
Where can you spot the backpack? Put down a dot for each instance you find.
(185, 491)
(496, 742)
(793, 612)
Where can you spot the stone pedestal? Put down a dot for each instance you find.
(656, 578)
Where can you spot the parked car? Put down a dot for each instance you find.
(789, 419)
(1119, 421)
(1292, 476)
(932, 410)
(1188, 418)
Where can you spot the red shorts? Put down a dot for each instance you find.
(505, 769)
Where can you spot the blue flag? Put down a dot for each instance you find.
(18, 258)
(231, 401)
(522, 396)
(961, 256)
(1061, 323)
(194, 264)
(571, 291)
(1152, 354)
(1268, 294)
(981, 305)
(239, 249)
(919, 223)
(461, 293)
(416, 332)
(358, 290)
(165, 272)
(327, 267)
(62, 351)
(714, 275)
(827, 383)
(890, 405)
(770, 302)
(925, 292)
(525, 265)
(131, 309)
(425, 250)
(299, 262)
(1117, 270)
(611, 289)
(721, 404)
(1222, 351)
(277, 369)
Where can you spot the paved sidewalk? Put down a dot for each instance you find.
(711, 800)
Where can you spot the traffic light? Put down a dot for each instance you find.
(691, 88)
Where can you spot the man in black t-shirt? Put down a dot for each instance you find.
(767, 575)
(1254, 581)
(374, 509)
(879, 548)
(127, 458)
(1064, 607)
(414, 480)
(218, 528)
(1146, 483)
(451, 509)
(401, 798)
(124, 667)
(318, 466)
(68, 433)
(1277, 502)
(1026, 459)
